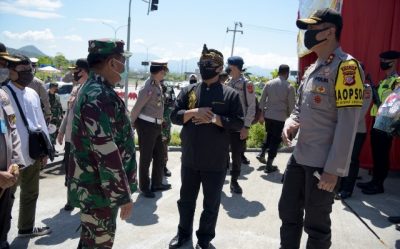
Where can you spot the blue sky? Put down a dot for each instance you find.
(176, 31)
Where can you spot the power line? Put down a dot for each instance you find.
(270, 28)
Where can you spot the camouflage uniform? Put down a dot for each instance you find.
(102, 170)
(56, 114)
(169, 103)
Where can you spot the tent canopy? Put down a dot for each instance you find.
(49, 69)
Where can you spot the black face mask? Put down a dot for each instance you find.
(192, 81)
(310, 39)
(385, 65)
(208, 72)
(76, 76)
(25, 77)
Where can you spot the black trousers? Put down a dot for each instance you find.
(238, 147)
(151, 148)
(303, 204)
(212, 183)
(273, 137)
(6, 203)
(67, 150)
(347, 183)
(381, 143)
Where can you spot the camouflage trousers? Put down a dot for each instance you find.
(98, 228)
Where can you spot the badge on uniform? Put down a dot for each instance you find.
(317, 99)
(349, 86)
(3, 126)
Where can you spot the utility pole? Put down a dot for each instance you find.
(234, 33)
(127, 59)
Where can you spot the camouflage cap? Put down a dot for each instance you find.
(107, 47)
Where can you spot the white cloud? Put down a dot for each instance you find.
(31, 35)
(95, 20)
(41, 9)
(138, 41)
(74, 38)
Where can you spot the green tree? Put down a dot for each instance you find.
(45, 60)
(59, 61)
(274, 73)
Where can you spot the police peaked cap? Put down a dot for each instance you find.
(390, 55)
(326, 15)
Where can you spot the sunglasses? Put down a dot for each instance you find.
(208, 63)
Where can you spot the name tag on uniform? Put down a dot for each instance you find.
(3, 126)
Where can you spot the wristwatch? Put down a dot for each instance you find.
(214, 118)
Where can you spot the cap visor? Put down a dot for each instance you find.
(127, 54)
(10, 58)
(303, 23)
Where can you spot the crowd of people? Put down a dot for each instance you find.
(216, 113)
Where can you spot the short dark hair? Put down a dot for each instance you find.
(23, 60)
(283, 69)
(338, 32)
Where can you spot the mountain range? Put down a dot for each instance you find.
(176, 66)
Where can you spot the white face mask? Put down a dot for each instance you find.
(4, 74)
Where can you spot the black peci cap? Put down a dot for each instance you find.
(390, 55)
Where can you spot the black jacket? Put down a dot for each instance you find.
(206, 147)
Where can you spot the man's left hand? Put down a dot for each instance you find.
(244, 133)
(327, 182)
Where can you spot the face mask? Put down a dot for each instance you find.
(208, 73)
(192, 81)
(4, 74)
(25, 77)
(310, 39)
(124, 74)
(77, 77)
(385, 65)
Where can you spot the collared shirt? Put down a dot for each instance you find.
(206, 146)
(278, 99)
(66, 124)
(30, 104)
(247, 98)
(38, 86)
(150, 101)
(327, 133)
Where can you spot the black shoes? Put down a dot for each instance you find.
(235, 187)
(373, 189)
(245, 160)
(178, 241)
(261, 158)
(202, 245)
(167, 173)
(68, 207)
(34, 232)
(398, 227)
(148, 194)
(161, 187)
(365, 184)
(343, 195)
(270, 168)
(394, 219)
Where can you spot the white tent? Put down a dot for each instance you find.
(49, 69)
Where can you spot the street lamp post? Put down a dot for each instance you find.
(127, 59)
(114, 29)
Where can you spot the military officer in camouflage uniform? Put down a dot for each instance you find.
(102, 172)
(169, 103)
(327, 112)
(245, 89)
(147, 117)
(56, 110)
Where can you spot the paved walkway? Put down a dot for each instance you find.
(246, 221)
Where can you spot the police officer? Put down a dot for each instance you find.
(208, 112)
(102, 173)
(4, 73)
(277, 102)
(56, 110)
(80, 75)
(147, 117)
(192, 79)
(327, 110)
(38, 85)
(169, 103)
(381, 141)
(10, 157)
(245, 89)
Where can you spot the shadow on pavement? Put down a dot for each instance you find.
(397, 244)
(144, 211)
(275, 177)
(64, 226)
(238, 207)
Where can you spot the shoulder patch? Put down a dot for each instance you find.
(349, 86)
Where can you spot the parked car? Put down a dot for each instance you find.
(64, 91)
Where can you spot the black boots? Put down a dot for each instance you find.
(269, 168)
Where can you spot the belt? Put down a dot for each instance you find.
(150, 119)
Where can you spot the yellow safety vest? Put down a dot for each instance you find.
(384, 90)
